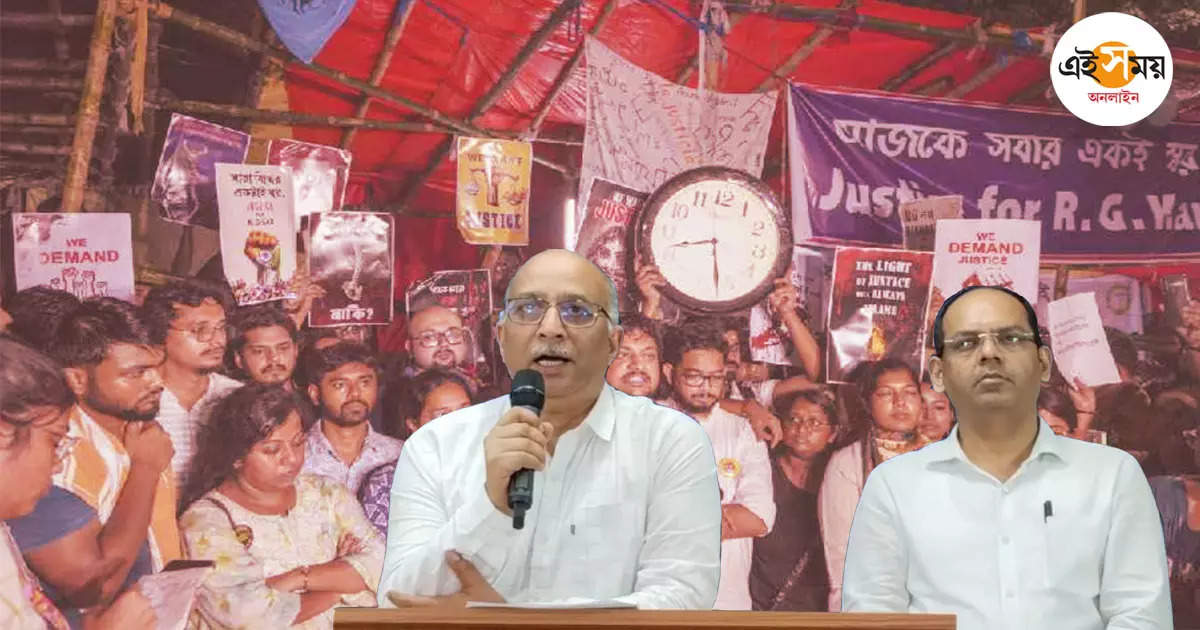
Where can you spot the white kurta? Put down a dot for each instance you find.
(744, 475)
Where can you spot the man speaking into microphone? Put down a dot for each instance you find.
(624, 498)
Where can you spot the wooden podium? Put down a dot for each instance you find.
(625, 619)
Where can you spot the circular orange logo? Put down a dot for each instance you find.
(1113, 64)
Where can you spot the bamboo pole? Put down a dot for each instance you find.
(247, 44)
(918, 66)
(89, 106)
(564, 75)
(62, 50)
(30, 148)
(794, 60)
(995, 37)
(277, 117)
(1035, 89)
(41, 83)
(493, 93)
(981, 77)
(44, 21)
(390, 43)
(57, 120)
(69, 66)
(63, 133)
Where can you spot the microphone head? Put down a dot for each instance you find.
(528, 390)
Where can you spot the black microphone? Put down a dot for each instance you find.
(528, 391)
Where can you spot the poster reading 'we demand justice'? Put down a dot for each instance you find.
(877, 305)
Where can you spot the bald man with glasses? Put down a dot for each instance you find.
(625, 497)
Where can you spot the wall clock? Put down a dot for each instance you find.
(718, 236)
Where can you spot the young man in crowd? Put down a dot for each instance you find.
(438, 338)
(110, 518)
(695, 370)
(189, 321)
(35, 313)
(637, 370)
(265, 344)
(344, 387)
(891, 397)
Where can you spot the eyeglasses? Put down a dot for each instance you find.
(432, 338)
(810, 424)
(696, 379)
(1007, 341)
(205, 332)
(574, 312)
(65, 446)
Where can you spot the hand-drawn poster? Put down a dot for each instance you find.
(876, 308)
(319, 174)
(467, 294)
(643, 129)
(604, 235)
(990, 252)
(920, 216)
(351, 258)
(85, 254)
(258, 239)
(493, 191)
(184, 188)
(1077, 339)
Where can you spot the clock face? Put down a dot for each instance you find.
(717, 236)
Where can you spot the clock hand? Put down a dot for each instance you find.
(682, 243)
(716, 271)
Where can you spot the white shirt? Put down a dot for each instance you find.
(183, 426)
(744, 474)
(836, 500)
(320, 458)
(627, 508)
(935, 533)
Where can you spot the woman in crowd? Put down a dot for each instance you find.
(35, 404)
(430, 394)
(788, 570)
(288, 547)
(1057, 410)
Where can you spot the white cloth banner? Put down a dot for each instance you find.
(86, 254)
(643, 129)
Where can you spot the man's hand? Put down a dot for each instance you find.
(648, 280)
(474, 588)
(737, 521)
(518, 441)
(148, 444)
(766, 425)
(784, 298)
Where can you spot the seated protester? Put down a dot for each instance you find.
(188, 320)
(35, 408)
(288, 547)
(344, 388)
(432, 394)
(265, 344)
(36, 311)
(788, 568)
(112, 518)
